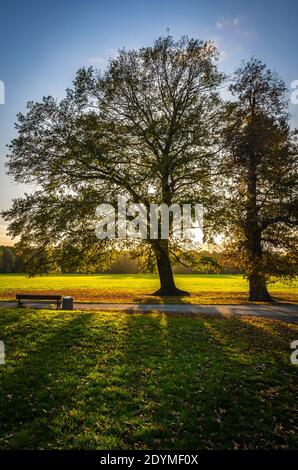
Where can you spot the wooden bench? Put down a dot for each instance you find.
(43, 298)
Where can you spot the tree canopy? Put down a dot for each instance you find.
(261, 213)
(148, 128)
(153, 129)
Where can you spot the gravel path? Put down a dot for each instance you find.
(285, 312)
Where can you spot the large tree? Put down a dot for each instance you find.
(146, 129)
(261, 180)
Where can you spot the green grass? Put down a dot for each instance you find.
(137, 288)
(127, 381)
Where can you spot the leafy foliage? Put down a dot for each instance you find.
(146, 129)
(261, 209)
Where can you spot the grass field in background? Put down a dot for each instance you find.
(138, 287)
(129, 381)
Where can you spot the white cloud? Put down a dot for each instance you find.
(219, 24)
(228, 23)
(236, 21)
(234, 25)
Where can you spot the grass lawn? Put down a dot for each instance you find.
(137, 288)
(130, 381)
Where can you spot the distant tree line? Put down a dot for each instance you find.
(11, 261)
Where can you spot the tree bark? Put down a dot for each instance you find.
(258, 291)
(257, 284)
(166, 277)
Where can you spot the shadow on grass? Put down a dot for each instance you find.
(202, 297)
(213, 383)
(114, 380)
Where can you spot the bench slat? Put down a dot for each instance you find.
(37, 297)
(40, 297)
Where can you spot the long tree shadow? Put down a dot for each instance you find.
(45, 381)
(212, 386)
(156, 381)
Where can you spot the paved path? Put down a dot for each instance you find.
(285, 312)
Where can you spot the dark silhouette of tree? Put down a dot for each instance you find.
(261, 162)
(7, 260)
(10, 261)
(146, 129)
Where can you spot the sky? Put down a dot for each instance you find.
(42, 44)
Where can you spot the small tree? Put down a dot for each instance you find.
(146, 129)
(261, 162)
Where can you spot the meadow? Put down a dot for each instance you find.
(204, 288)
(97, 380)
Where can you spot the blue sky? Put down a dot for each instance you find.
(42, 44)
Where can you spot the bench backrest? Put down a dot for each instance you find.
(37, 297)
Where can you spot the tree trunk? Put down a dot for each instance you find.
(167, 282)
(258, 291)
(257, 284)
